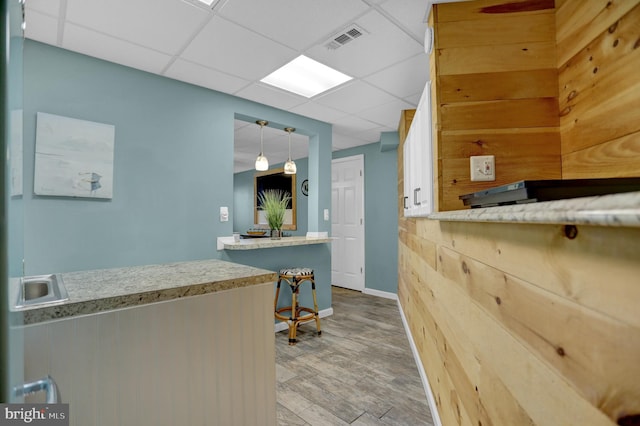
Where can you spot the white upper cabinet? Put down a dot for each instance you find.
(418, 161)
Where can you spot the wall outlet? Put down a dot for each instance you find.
(483, 168)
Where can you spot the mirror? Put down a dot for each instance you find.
(275, 179)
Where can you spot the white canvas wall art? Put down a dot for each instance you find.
(74, 158)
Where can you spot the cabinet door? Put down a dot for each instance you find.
(418, 167)
(424, 155)
(408, 179)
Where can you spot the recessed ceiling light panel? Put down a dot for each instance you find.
(306, 77)
(206, 4)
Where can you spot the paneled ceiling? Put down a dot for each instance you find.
(233, 44)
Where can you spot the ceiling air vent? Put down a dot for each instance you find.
(343, 37)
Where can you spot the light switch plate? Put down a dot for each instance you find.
(224, 214)
(326, 214)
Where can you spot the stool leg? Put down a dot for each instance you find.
(315, 306)
(293, 322)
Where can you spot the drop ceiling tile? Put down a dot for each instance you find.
(354, 97)
(264, 94)
(373, 135)
(414, 99)
(387, 115)
(205, 77)
(246, 54)
(403, 79)
(50, 7)
(297, 24)
(353, 126)
(41, 27)
(382, 45)
(411, 13)
(163, 25)
(316, 111)
(343, 142)
(114, 50)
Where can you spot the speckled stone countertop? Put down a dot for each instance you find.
(262, 243)
(106, 289)
(605, 210)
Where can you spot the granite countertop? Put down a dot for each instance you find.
(604, 210)
(106, 289)
(227, 243)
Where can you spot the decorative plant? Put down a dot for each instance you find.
(274, 202)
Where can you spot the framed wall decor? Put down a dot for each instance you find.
(74, 158)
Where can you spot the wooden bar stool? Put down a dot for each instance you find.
(294, 277)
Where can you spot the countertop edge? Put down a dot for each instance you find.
(138, 297)
(615, 210)
(266, 243)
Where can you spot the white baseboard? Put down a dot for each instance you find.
(423, 375)
(380, 293)
(281, 326)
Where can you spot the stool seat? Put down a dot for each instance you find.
(296, 271)
(295, 277)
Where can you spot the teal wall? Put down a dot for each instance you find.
(381, 212)
(173, 167)
(243, 199)
(381, 215)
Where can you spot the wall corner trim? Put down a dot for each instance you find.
(423, 375)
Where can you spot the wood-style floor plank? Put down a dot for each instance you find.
(360, 371)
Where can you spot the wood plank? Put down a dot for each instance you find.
(497, 29)
(594, 352)
(598, 270)
(497, 58)
(406, 117)
(541, 83)
(579, 22)
(617, 158)
(476, 384)
(600, 86)
(612, 49)
(486, 9)
(544, 395)
(505, 143)
(542, 112)
(442, 388)
(458, 182)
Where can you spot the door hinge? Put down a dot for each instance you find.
(360, 172)
(360, 221)
(361, 271)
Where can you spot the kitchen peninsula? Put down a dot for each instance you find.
(180, 343)
(299, 251)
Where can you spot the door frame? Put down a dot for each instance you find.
(359, 158)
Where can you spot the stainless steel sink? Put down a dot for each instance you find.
(40, 290)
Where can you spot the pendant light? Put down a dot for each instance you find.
(289, 166)
(262, 163)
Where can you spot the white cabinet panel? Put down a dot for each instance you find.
(418, 161)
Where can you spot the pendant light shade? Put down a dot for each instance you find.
(289, 166)
(262, 163)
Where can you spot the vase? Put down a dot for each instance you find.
(276, 234)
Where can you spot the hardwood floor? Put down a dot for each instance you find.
(359, 372)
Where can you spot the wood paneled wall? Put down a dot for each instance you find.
(599, 83)
(517, 324)
(495, 93)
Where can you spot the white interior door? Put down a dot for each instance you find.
(347, 222)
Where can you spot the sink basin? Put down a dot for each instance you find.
(40, 290)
